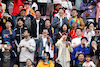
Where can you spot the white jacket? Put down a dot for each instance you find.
(89, 64)
(27, 52)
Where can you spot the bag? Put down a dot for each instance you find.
(87, 14)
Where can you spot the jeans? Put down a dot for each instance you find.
(99, 23)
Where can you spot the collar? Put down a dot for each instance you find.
(27, 39)
(59, 16)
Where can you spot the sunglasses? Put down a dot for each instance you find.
(97, 32)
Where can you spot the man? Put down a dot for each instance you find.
(80, 49)
(7, 55)
(77, 41)
(27, 48)
(75, 16)
(26, 19)
(37, 25)
(81, 60)
(46, 61)
(97, 36)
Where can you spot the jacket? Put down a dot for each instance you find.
(56, 26)
(40, 46)
(29, 10)
(7, 37)
(34, 27)
(27, 21)
(84, 50)
(20, 33)
(42, 64)
(27, 52)
(68, 50)
(12, 60)
(84, 7)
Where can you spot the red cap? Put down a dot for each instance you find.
(57, 4)
(23, 9)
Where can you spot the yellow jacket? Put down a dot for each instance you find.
(68, 50)
(29, 10)
(41, 64)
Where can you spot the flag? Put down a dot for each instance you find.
(17, 3)
(51, 50)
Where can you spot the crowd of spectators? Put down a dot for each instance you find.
(69, 38)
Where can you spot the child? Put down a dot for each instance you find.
(48, 26)
(88, 62)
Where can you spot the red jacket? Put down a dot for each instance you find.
(16, 7)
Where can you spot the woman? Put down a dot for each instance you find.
(89, 31)
(29, 63)
(93, 51)
(64, 51)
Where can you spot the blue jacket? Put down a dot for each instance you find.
(56, 26)
(40, 46)
(7, 37)
(84, 50)
(12, 60)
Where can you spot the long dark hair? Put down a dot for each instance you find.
(61, 29)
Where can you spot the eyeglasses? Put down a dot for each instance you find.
(97, 32)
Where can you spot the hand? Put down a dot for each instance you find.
(91, 7)
(58, 22)
(48, 37)
(9, 29)
(25, 45)
(40, 36)
(8, 47)
(76, 54)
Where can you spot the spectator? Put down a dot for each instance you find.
(74, 24)
(81, 60)
(29, 11)
(64, 51)
(8, 34)
(88, 62)
(97, 14)
(77, 41)
(26, 19)
(46, 61)
(50, 29)
(58, 21)
(75, 16)
(88, 6)
(37, 25)
(27, 47)
(8, 57)
(3, 5)
(93, 51)
(20, 8)
(20, 29)
(57, 6)
(80, 49)
(89, 32)
(44, 43)
(97, 36)
(29, 63)
(68, 6)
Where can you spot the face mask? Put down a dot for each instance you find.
(43, 57)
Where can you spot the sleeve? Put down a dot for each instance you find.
(73, 54)
(13, 54)
(65, 20)
(13, 35)
(58, 43)
(92, 64)
(70, 49)
(54, 23)
(87, 51)
(32, 46)
(32, 11)
(70, 5)
(82, 7)
(82, 23)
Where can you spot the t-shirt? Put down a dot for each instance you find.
(6, 59)
(76, 41)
